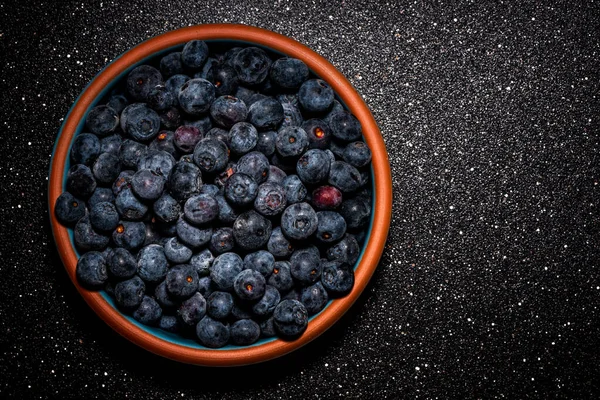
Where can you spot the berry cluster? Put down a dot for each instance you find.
(222, 196)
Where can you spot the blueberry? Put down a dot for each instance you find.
(224, 175)
(314, 298)
(85, 149)
(202, 262)
(265, 143)
(206, 286)
(169, 323)
(291, 115)
(299, 221)
(106, 168)
(209, 189)
(122, 182)
(315, 96)
(147, 184)
(226, 111)
(212, 333)
(305, 265)
(270, 200)
(279, 245)
(356, 213)
(176, 252)
(243, 138)
(129, 235)
(171, 64)
(68, 209)
(117, 102)
(332, 227)
(229, 55)
(121, 263)
(161, 99)
(192, 236)
(240, 189)
(291, 141)
(266, 113)
(251, 230)
(357, 154)
(293, 294)
(91, 270)
(249, 285)
(226, 213)
(261, 261)
(194, 54)
(164, 141)
(295, 191)
(344, 176)
(267, 328)
(186, 138)
(196, 96)
(345, 250)
(174, 84)
(129, 294)
(149, 312)
(326, 198)
(219, 305)
(80, 181)
(131, 152)
(219, 134)
(192, 310)
(111, 144)
(140, 122)
(267, 303)
(208, 65)
(225, 79)
(166, 230)
(252, 65)
(86, 238)
(224, 270)
(201, 209)
(290, 318)
(313, 166)
(152, 263)
(244, 332)
(288, 72)
(318, 132)
(337, 278)
(240, 310)
(182, 281)
(335, 108)
(222, 240)
(160, 162)
(141, 80)
(244, 94)
(166, 208)
(102, 120)
(185, 181)
(104, 217)
(152, 236)
(345, 126)
(281, 276)
(211, 155)
(129, 206)
(166, 300)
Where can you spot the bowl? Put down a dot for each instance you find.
(173, 346)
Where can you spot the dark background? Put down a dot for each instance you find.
(488, 287)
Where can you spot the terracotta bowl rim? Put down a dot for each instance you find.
(375, 240)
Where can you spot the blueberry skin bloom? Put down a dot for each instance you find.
(222, 240)
(240, 189)
(288, 72)
(357, 154)
(212, 333)
(356, 212)
(174, 84)
(276, 175)
(129, 235)
(185, 180)
(261, 261)
(331, 227)
(194, 54)
(254, 164)
(182, 281)
(129, 206)
(122, 264)
(186, 138)
(202, 262)
(102, 120)
(100, 195)
(279, 245)
(86, 238)
(152, 263)
(196, 96)
(166, 208)
(192, 310)
(291, 115)
(171, 64)
(228, 110)
(141, 80)
(244, 332)
(224, 270)
(201, 209)
(281, 277)
(346, 250)
(68, 209)
(291, 141)
(249, 285)
(267, 303)
(131, 152)
(345, 126)
(305, 265)
(337, 278)
(243, 138)
(81, 181)
(91, 270)
(104, 217)
(226, 213)
(315, 96)
(129, 294)
(160, 162)
(85, 149)
(313, 166)
(290, 318)
(344, 176)
(211, 155)
(295, 191)
(224, 78)
(117, 102)
(266, 142)
(140, 122)
(266, 113)
(161, 99)
(106, 168)
(219, 305)
(252, 65)
(251, 230)
(299, 221)
(270, 200)
(148, 312)
(147, 185)
(111, 144)
(192, 236)
(176, 252)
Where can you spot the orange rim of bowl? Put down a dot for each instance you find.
(381, 208)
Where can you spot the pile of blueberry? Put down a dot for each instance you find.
(219, 195)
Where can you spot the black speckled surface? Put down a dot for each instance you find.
(489, 285)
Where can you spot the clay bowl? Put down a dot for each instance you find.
(187, 350)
